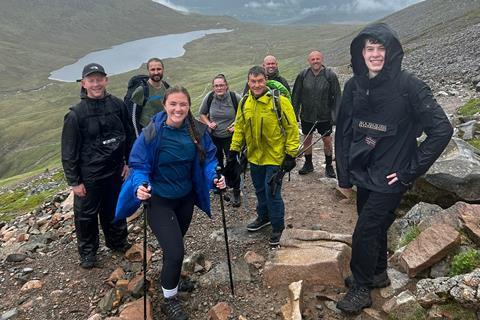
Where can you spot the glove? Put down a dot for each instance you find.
(232, 156)
(288, 163)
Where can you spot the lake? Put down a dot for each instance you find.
(130, 55)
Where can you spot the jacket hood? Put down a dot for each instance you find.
(389, 38)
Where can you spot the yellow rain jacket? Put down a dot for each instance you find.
(256, 125)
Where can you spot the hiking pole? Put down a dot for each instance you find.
(146, 205)
(224, 222)
(308, 134)
(313, 143)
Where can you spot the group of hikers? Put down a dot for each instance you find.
(173, 162)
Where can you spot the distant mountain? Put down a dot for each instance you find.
(293, 11)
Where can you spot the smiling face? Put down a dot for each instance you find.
(177, 106)
(270, 65)
(219, 86)
(374, 55)
(257, 84)
(155, 71)
(315, 60)
(95, 85)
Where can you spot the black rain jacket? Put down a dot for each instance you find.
(379, 119)
(96, 139)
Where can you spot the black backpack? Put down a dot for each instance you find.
(233, 96)
(133, 84)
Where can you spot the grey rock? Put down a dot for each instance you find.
(455, 176)
(440, 269)
(10, 314)
(105, 305)
(16, 257)
(219, 274)
(468, 129)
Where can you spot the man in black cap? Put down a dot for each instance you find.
(96, 140)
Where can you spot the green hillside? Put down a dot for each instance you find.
(31, 121)
(38, 36)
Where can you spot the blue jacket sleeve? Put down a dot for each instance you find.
(141, 161)
(211, 162)
(343, 136)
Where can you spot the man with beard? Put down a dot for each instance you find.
(316, 96)
(153, 103)
(270, 65)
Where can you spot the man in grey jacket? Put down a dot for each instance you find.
(315, 97)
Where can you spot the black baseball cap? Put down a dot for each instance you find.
(93, 68)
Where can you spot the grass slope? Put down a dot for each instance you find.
(41, 35)
(31, 122)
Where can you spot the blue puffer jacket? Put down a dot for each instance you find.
(143, 161)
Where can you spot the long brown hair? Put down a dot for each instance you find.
(192, 130)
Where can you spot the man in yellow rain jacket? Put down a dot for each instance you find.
(266, 124)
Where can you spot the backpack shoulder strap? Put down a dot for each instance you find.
(277, 107)
(209, 101)
(233, 96)
(165, 84)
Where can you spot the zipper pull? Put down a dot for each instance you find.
(368, 92)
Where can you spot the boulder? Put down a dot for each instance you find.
(404, 306)
(134, 310)
(432, 245)
(326, 264)
(462, 288)
(455, 176)
(220, 311)
(303, 237)
(470, 217)
(293, 309)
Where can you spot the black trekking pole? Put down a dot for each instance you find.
(224, 222)
(146, 205)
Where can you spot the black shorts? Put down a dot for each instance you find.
(321, 127)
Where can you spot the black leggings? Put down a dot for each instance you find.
(169, 220)
(223, 147)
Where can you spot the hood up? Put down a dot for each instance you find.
(386, 36)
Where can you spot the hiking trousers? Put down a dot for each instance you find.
(223, 150)
(268, 207)
(376, 213)
(169, 220)
(99, 202)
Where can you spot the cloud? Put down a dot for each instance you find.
(381, 5)
(168, 3)
(268, 5)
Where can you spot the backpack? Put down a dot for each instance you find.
(134, 110)
(277, 107)
(233, 96)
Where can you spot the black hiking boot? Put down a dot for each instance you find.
(356, 299)
(379, 281)
(236, 198)
(329, 171)
(89, 262)
(307, 168)
(185, 285)
(257, 225)
(275, 238)
(172, 307)
(122, 248)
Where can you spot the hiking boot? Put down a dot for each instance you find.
(236, 198)
(330, 172)
(257, 225)
(379, 281)
(172, 307)
(121, 248)
(88, 262)
(185, 285)
(307, 168)
(356, 299)
(275, 238)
